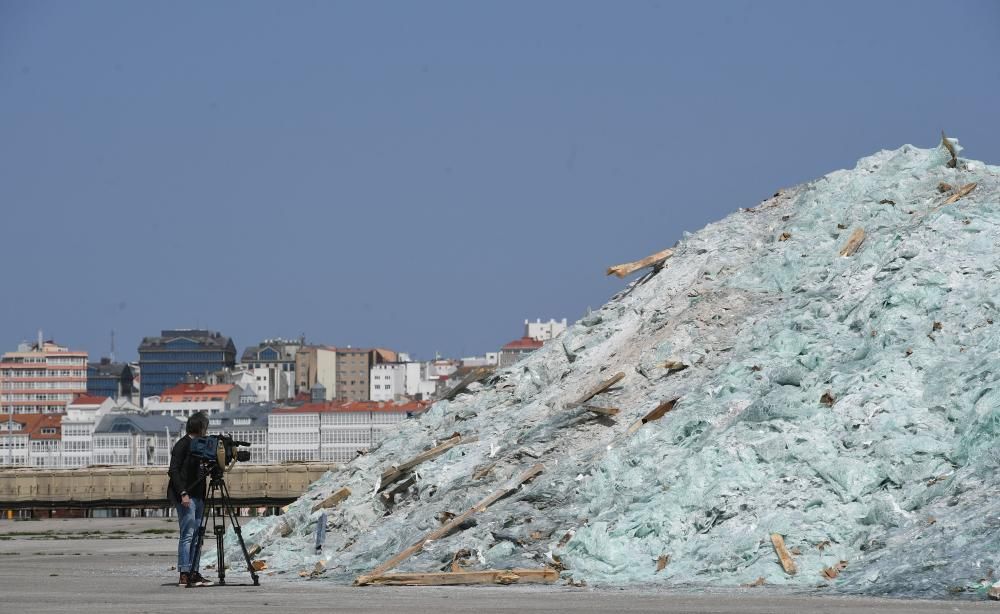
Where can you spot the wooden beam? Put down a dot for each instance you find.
(652, 416)
(470, 378)
(604, 411)
(786, 559)
(333, 499)
(395, 472)
(400, 486)
(963, 191)
(596, 390)
(451, 525)
(452, 578)
(951, 150)
(621, 270)
(853, 242)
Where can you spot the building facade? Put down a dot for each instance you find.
(388, 381)
(183, 400)
(334, 431)
(247, 423)
(544, 331)
(109, 379)
(41, 378)
(169, 359)
(316, 364)
(516, 350)
(272, 363)
(135, 440)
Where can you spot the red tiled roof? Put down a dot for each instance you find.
(88, 399)
(524, 343)
(32, 425)
(349, 406)
(196, 390)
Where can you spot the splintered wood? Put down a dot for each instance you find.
(786, 559)
(450, 526)
(657, 259)
(333, 499)
(395, 472)
(593, 392)
(962, 192)
(946, 142)
(473, 376)
(853, 242)
(652, 416)
(489, 576)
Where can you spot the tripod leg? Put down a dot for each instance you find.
(228, 509)
(219, 529)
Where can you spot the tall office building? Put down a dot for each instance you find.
(109, 379)
(41, 378)
(167, 360)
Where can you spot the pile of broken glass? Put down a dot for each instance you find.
(847, 399)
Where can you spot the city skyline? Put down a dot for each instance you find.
(427, 176)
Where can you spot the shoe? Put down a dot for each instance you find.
(198, 580)
(184, 579)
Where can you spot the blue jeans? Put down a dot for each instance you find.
(189, 519)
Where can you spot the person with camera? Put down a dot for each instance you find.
(186, 492)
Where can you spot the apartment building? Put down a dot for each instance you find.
(183, 400)
(333, 431)
(175, 355)
(135, 440)
(41, 378)
(246, 423)
(272, 363)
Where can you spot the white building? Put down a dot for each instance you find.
(247, 423)
(388, 381)
(272, 364)
(333, 431)
(135, 440)
(418, 384)
(79, 423)
(183, 400)
(489, 359)
(543, 331)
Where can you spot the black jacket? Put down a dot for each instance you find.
(184, 473)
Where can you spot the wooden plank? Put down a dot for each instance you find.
(472, 377)
(333, 499)
(395, 472)
(652, 416)
(621, 270)
(593, 392)
(452, 578)
(963, 191)
(451, 525)
(786, 559)
(604, 411)
(951, 150)
(400, 486)
(853, 242)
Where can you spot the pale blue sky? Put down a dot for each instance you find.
(425, 175)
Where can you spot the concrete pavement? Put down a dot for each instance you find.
(71, 571)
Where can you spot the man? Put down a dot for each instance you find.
(186, 491)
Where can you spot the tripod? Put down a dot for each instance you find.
(218, 502)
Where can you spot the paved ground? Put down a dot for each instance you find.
(126, 568)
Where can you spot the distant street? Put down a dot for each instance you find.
(65, 566)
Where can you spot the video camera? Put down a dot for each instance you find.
(219, 452)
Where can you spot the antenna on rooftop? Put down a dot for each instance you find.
(40, 336)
